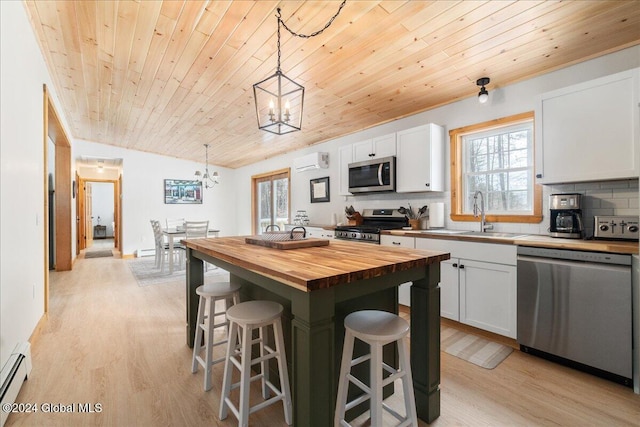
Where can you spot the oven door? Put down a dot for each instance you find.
(371, 176)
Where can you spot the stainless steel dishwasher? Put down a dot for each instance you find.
(574, 307)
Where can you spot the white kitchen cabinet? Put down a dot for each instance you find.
(378, 147)
(404, 291)
(488, 296)
(345, 154)
(449, 289)
(478, 284)
(319, 233)
(589, 131)
(420, 159)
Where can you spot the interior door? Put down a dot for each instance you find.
(88, 217)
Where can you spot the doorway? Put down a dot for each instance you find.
(57, 195)
(99, 214)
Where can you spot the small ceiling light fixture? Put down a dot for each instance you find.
(279, 100)
(100, 166)
(483, 95)
(209, 180)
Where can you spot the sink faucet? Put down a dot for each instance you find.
(483, 221)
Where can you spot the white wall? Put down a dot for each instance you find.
(503, 102)
(143, 176)
(22, 167)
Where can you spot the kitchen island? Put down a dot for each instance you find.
(319, 287)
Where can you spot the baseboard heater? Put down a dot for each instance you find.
(145, 252)
(14, 373)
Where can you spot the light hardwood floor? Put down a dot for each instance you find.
(107, 340)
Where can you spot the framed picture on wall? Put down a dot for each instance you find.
(320, 190)
(181, 191)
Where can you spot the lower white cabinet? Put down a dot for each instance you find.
(488, 296)
(404, 292)
(449, 290)
(319, 233)
(478, 284)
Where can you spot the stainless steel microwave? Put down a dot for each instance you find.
(375, 175)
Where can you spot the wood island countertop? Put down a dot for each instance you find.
(314, 268)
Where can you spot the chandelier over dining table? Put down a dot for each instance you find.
(279, 100)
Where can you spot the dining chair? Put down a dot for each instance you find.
(174, 223)
(196, 230)
(163, 251)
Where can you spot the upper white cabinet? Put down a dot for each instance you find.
(420, 159)
(345, 154)
(589, 131)
(378, 147)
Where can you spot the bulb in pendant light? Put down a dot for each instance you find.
(483, 95)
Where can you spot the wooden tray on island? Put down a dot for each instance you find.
(287, 244)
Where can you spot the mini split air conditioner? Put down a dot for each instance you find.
(311, 161)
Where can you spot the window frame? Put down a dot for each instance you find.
(268, 177)
(457, 165)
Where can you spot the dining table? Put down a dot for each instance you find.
(174, 234)
(318, 287)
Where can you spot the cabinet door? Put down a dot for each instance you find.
(384, 146)
(362, 151)
(378, 147)
(420, 159)
(449, 291)
(488, 296)
(346, 156)
(589, 131)
(314, 232)
(404, 291)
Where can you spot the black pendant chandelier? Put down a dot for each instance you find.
(279, 100)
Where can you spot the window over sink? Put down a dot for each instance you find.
(495, 158)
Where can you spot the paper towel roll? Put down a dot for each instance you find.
(436, 215)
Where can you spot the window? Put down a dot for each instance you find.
(270, 200)
(495, 158)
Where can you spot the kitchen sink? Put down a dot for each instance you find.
(440, 231)
(493, 234)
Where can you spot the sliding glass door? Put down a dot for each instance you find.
(270, 199)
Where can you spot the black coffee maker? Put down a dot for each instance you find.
(566, 216)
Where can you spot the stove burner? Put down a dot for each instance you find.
(374, 220)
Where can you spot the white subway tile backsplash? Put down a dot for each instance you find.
(614, 203)
(600, 198)
(617, 184)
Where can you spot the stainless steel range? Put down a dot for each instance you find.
(373, 221)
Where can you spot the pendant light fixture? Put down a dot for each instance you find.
(279, 100)
(209, 180)
(483, 95)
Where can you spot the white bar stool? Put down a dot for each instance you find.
(376, 328)
(252, 315)
(206, 322)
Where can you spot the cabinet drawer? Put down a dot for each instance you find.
(398, 241)
(485, 252)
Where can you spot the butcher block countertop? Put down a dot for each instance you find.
(320, 267)
(609, 246)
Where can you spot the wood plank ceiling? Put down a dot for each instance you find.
(168, 76)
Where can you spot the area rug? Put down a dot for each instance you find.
(146, 273)
(479, 351)
(98, 254)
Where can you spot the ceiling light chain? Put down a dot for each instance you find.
(315, 33)
(275, 118)
(209, 180)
